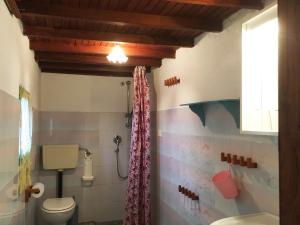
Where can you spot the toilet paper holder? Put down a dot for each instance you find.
(29, 191)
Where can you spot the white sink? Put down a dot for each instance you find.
(254, 219)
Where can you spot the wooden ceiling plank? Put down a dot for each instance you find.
(121, 18)
(45, 46)
(247, 4)
(92, 59)
(33, 31)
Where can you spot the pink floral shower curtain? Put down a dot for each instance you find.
(137, 210)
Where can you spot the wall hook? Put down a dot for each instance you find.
(238, 160)
(172, 81)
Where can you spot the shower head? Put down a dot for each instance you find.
(117, 139)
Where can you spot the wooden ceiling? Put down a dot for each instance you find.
(75, 36)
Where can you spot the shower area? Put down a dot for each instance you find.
(97, 114)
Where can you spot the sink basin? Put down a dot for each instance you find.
(254, 219)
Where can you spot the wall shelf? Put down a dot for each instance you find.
(231, 105)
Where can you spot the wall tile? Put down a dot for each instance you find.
(104, 200)
(9, 148)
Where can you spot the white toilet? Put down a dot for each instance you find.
(58, 211)
(254, 219)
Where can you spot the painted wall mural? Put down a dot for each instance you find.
(188, 154)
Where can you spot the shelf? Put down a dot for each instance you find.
(231, 105)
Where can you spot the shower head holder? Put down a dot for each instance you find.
(117, 140)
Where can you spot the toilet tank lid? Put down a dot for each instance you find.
(58, 204)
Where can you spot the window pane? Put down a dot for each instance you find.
(260, 73)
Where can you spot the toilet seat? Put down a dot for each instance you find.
(58, 205)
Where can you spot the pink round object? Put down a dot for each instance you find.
(225, 184)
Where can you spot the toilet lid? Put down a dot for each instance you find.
(58, 204)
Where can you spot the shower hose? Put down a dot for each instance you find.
(118, 167)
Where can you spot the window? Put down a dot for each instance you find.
(260, 74)
(25, 140)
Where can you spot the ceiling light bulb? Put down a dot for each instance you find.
(117, 55)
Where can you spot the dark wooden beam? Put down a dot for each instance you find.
(33, 31)
(121, 18)
(92, 59)
(74, 71)
(45, 46)
(289, 111)
(247, 4)
(86, 67)
(13, 8)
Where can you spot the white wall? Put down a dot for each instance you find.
(209, 71)
(17, 67)
(76, 93)
(17, 64)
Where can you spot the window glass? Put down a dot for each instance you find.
(260, 74)
(25, 141)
